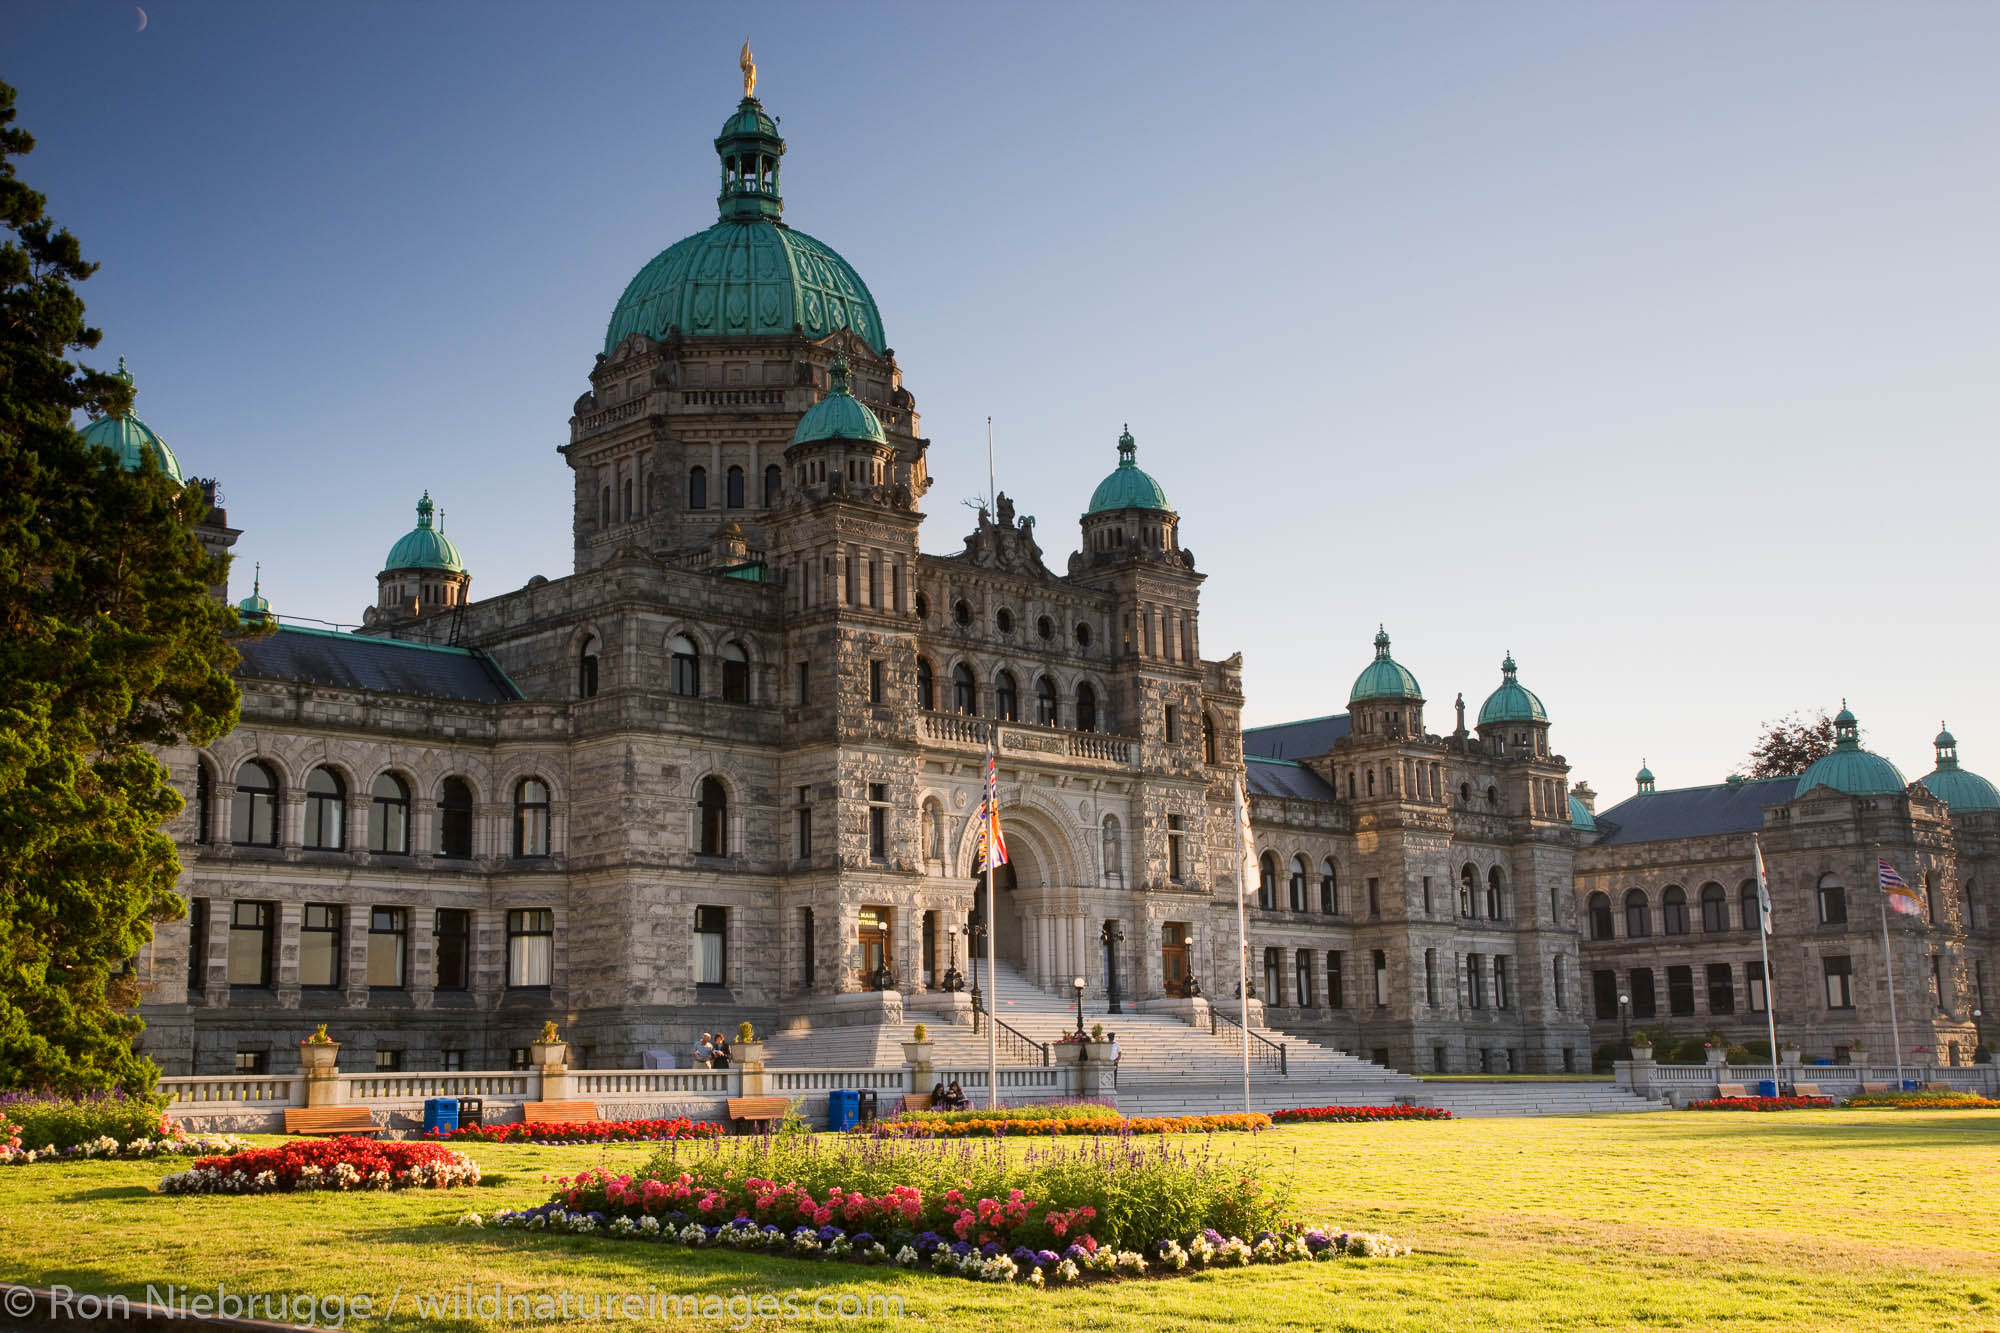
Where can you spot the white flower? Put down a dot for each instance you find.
(1130, 1262)
(1035, 1278)
(906, 1257)
(999, 1268)
(1066, 1270)
(623, 1227)
(650, 1225)
(471, 1220)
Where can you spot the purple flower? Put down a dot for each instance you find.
(827, 1235)
(961, 1248)
(1076, 1254)
(989, 1249)
(1047, 1258)
(926, 1242)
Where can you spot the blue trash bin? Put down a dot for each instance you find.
(1909, 1085)
(1767, 1087)
(843, 1109)
(440, 1113)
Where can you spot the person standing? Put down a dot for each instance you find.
(1116, 1053)
(721, 1060)
(704, 1052)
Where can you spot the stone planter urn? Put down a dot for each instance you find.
(1642, 1050)
(1717, 1055)
(1069, 1052)
(1857, 1055)
(1097, 1052)
(747, 1054)
(917, 1053)
(545, 1053)
(1792, 1056)
(319, 1057)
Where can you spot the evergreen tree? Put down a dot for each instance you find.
(110, 643)
(1789, 746)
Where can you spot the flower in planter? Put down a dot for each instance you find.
(318, 1038)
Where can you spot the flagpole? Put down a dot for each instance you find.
(1889, 963)
(992, 983)
(992, 497)
(1764, 944)
(1244, 856)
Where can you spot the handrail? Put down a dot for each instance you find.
(1265, 1056)
(1012, 1039)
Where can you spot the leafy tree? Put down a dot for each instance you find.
(110, 643)
(1790, 745)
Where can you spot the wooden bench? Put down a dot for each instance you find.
(330, 1120)
(760, 1111)
(916, 1101)
(1732, 1090)
(559, 1113)
(1939, 1087)
(1874, 1087)
(1806, 1090)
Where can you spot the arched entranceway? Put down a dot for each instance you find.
(1039, 926)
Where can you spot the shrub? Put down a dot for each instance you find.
(1061, 1110)
(745, 1033)
(1738, 1055)
(48, 1120)
(327, 1164)
(920, 1033)
(1922, 1101)
(1003, 1126)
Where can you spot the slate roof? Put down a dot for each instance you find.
(1275, 777)
(1692, 812)
(358, 662)
(1295, 740)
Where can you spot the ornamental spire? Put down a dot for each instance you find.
(1128, 448)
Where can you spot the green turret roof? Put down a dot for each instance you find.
(1512, 702)
(749, 274)
(1385, 677)
(839, 415)
(1956, 787)
(424, 547)
(254, 607)
(132, 439)
(1127, 487)
(1580, 817)
(1850, 768)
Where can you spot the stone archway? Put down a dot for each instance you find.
(1040, 879)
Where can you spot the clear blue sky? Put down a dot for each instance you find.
(1653, 342)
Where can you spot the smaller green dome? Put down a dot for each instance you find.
(1850, 768)
(1645, 774)
(132, 439)
(1512, 702)
(839, 415)
(1385, 677)
(1127, 487)
(1580, 817)
(254, 607)
(424, 547)
(1956, 787)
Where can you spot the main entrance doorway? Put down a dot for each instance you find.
(1174, 957)
(874, 938)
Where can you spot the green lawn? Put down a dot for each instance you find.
(1800, 1220)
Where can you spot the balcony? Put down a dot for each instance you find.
(962, 731)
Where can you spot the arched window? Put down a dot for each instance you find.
(697, 488)
(531, 817)
(1496, 895)
(1207, 739)
(964, 692)
(253, 814)
(1599, 909)
(1468, 890)
(774, 485)
(732, 487)
(454, 818)
(1006, 697)
(714, 818)
(1086, 707)
(1297, 884)
(586, 669)
(735, 673)
(326, 811)
(926, 686)
(1114, 849)
(1714, 909)
(1674, 911)
(1046, 711)
(1832, 901)
(1638, 918)
(1751, 914)
(683, 667)
(204, 797)
(1329, 887)
(961, 612)
(389, 816)
(1267, 882)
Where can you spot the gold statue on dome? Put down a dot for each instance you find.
(748, 64)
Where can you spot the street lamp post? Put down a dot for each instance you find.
(975, 934)
(1077, 984)
(1112, 937)
(1624, 1027)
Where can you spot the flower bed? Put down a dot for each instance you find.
(965, 1124)
(1062, 1109)
(172, 1144)
(1302, 1114)
(1922, 1101)
(1057, 1214)
(327, 1164)
(1763, 1104)
(46, 1120)
(596, 1131)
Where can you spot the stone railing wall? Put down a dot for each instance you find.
(1681, 1084)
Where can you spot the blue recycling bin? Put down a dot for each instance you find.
(1909, 1085)
(1767, 1087)
(843, 1109)
(440, 1113)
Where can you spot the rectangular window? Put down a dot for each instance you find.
(1680, 991)
(517, 1057)
(531, 947)
(197, 980)
(1381, 979)
(1604, 993)
(451, 948)
(874, 682)
(1173, 725)
(1501, 997)
(1174, 832)
(250, 943)
(1336, 987)
(388, 1062)
(1302, 968)
(1374, 896)
(1937, 980)
(802, 825)
(878, 820)
(1427, 895)
(1721, 989)
(1979, 985)
(253, 1062)
(1431, 977)
(806, 945)
(319, 945)
(804, 682)
(1562, 984)
(451, 1061)
(388, 946)
(1753, 982)
(1645, 997)
(1475, 981)
(1839, 971)
(711, 946)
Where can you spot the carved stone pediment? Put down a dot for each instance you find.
(1002, 543)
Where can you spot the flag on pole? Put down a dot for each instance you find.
(1902, 897)
(1763, 887)
(990, 838)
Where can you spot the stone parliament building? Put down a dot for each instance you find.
(728, 767)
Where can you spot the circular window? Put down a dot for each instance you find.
(961, 612)
(923, 607)
(1082, 635)
(1005, 620)
(1045, 627)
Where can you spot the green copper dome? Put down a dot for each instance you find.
(839, 415)
(1512, 702)
(254, 607)
(749, 274)
(1957, 788)
(1127, 487)
(1850, 768)
(132, 439)
(1580, 817)
(424, 547)
(1385, 677)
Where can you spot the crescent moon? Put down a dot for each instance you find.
(142, 20)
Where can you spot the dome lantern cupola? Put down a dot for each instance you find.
(423, 572)
(253, 609)
(1958, 788)
(1644, 779)
(1851, 769)
(839, 415)
(1386, 699)
(1512, 718)
(132, 439)
(1129, 515)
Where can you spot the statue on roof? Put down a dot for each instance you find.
(747, 62)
